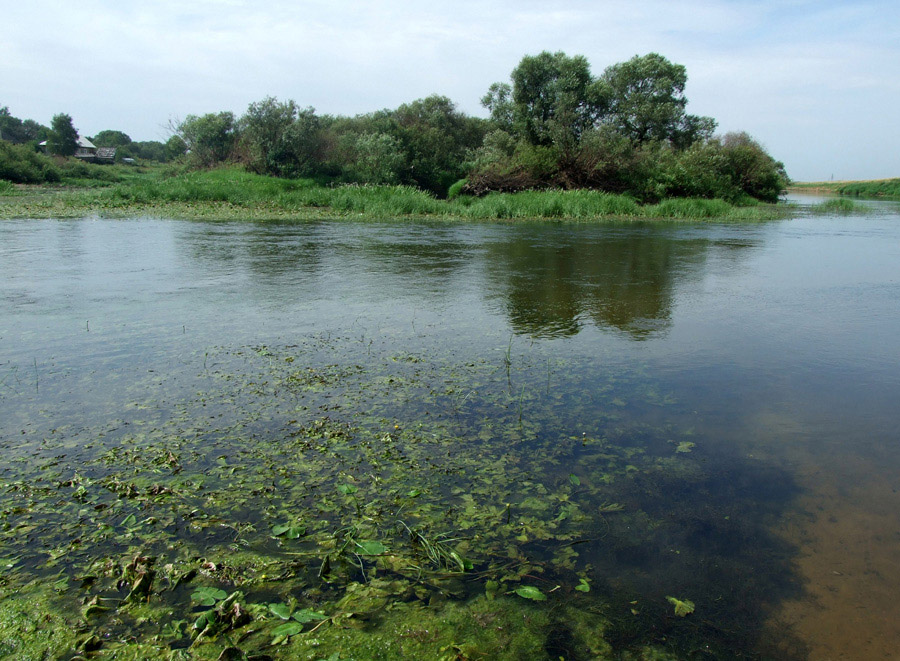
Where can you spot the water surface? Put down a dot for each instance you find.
(699, 410)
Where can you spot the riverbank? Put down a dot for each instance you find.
(229, 194)
(872, 188)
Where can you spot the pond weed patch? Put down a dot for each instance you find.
(394, 507)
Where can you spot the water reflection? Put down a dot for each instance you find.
(546, 281)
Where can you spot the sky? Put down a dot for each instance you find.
(816, 82)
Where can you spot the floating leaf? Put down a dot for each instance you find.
(281, 610)
(412, 493)
(371, 548)
(682, 608)
(206, 618)
(289, 530)
(207, 596)
(531, 592)
(305, 615)
(347, 489)
(574, 479)
(684, 447)
(583, 585)
(288, 629)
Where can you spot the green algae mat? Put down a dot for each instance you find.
(336, 499)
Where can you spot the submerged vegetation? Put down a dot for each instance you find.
(298, 505)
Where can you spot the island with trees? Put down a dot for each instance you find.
(558, 142)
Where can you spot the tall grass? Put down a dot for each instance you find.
(569, 205)
(839, 205)
(234, 193)
(880, 188)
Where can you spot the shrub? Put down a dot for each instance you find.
(22, 165)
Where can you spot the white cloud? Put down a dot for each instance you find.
(793, 73)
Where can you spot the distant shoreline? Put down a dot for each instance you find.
(858, 188)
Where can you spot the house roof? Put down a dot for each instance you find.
(82, 142)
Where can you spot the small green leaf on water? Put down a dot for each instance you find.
(574, 479)
(371, 548)
(290, 531)
(129, 520)
(288, 629)
(583, 585)
(280, 610)
(531, 592)
(682, 608)
(347, 489)
(206, 618)
(684, 447)
(305, 615)
(413, 493)
(207, 596)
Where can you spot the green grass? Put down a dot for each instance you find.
(872, 188)
(839, 205)
(231, 193)
(882, 188)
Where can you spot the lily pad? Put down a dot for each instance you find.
(371, 548)
(305, 615)
(206, 596)
(280, 610)
(531, 592)
(289, 530)
(583, 585)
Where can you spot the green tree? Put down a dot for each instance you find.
(553, 100)
(111, 138)
(378, 158)
(63, 139)
(13, 129)
(437, 140)
(644, 100)
(752, 169)
(263, 129)
(174, 148)
(210, 138)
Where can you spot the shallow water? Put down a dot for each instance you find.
(527, 367)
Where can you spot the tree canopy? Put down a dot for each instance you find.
(63, 140)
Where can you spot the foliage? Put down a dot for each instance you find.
(17, 131)
(63, 140)
(841, 206)
(111, 138)
(209, 138)
(175, 147)
(552, 100)
(879, 188)
(280, 138)
(436, 139)
(624, 132)
(233, 193)
(643, 99)
(22, 165)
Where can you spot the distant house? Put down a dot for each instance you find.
(91, 153)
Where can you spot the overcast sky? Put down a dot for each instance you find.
(816, 81)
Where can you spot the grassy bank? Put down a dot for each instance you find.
(873, 188)
(231, 193)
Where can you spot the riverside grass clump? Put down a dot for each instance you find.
(232, 194)
(839, 205)
(880, 188)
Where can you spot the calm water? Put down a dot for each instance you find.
(773, 348)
